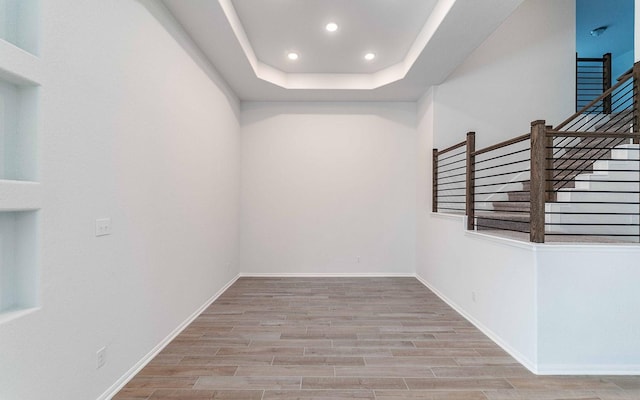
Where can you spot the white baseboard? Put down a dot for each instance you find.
(531, 366)
(328, 275)
(124, 379)
(581, 369)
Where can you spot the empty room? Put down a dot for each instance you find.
(319, 199)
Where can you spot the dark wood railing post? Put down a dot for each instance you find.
(538, 180)
(471, 181)
(636, 105)
(434, 197)
(549, 170)
(606, 82)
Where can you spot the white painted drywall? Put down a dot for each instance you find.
(523, 72)
(134, 129)
(491, 282)
(588, 306)
(559, 309)
(328, 188)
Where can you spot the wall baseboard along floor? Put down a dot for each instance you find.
(131, 373)
(328, 275)
(531, 366)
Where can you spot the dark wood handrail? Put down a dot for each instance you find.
(600, 98)
(590, 59)
(624, 76)
(621, 135)
(448, 149)
(502, 144)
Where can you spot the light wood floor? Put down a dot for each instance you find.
(346, 338)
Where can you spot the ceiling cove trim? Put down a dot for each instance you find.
(321, 81)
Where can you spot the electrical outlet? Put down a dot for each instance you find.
(103, 226)
(101, 357)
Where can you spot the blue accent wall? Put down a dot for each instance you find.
(618, 16)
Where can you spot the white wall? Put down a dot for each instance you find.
(523, 72)
(558, 309)
(492, 282)
(328, 188)
(131, 128)
(588, 309)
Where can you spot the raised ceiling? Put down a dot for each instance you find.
(383, 27)
(417, 44)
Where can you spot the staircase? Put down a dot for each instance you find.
(603, 201)
(513, 214)
(577, 181)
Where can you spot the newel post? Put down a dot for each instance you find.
(538, 180)
(550, 195)
(434, 180)
(606, 82)
(471, 181)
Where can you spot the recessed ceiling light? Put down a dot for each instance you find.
(598, 31)
(369, 56)
(331, 27)
(292, 56)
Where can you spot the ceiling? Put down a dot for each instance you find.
(385, 28)
(417, 44)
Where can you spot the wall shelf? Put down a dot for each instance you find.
(20, 194)
(18, 262)
(19, 23)
(18, 66)
(18, 131)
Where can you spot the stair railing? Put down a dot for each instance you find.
(593, 77)
(495, 173)
(557, 159)
(449, 178)
(586, 141)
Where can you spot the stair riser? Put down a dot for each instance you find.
(610, 186)
(599, 197)
(484, 224)
(608, 165)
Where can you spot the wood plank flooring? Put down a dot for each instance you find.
(346, 338)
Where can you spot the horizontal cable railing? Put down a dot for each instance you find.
(592, 174)
(593, 77)
(601, 202)
(449, 179)
(620, 118)
(579, 181)
(499, 187)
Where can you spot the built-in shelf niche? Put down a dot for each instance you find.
(18, 130)
(18, 261)
(19, 23)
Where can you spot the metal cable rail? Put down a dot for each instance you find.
(593, 77)
(581, 178)
(448, 186)
(498, 191)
